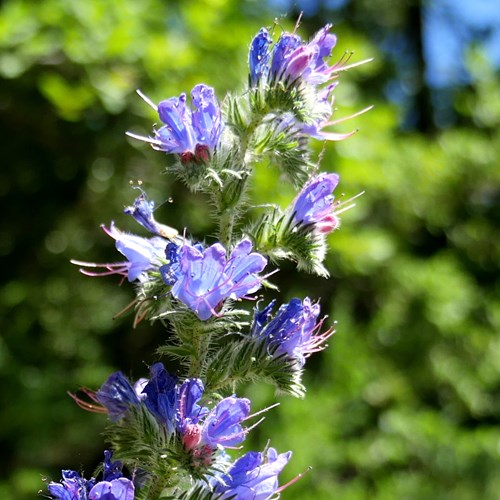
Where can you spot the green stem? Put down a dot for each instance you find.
(200, 341)
(226, 226)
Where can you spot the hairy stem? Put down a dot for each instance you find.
(200, 342)
(226, 226)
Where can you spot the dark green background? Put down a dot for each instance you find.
(404, 403)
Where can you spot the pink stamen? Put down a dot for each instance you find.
(85, 404)
(293, 481)
(354, 115)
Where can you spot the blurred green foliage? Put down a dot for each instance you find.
(404, 403)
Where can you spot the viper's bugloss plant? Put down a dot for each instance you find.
(178, 434)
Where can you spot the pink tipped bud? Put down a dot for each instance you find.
(327, 224)
(192, 436)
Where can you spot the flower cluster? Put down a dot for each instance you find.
(199, 431)
(177, 432)
(301, 68)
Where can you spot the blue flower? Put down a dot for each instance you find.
(293, 63)
(293, 59)
(161, 396)
(117, 489)
(258, 58)
(177, 135)
(117, 395)
(253, 476)
(294, 331)
(188, 410)
(315, 205)
(205, 278)
(113, 486)
(72, 487)
(142, 211)
(111, 470)
(192, 133)
(282, 51)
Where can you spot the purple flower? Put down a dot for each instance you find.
(75, 487)
(206, 116)
(205, 278)
(177, 135)
(282, 51)
(72, 487)
(294, 331)
(117, 395)
(172, 271)
(192, 133)
(292, 59)
(161, 396)
(142, 212)
(254, 476)
(143, 254)
(202, 430)
(222, 424)
(315, 204)
(117, 489)
(322, 46)
(306, 61)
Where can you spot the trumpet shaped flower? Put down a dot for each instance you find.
(314, 204)
(254, 476)
(188, 411)
(293, 332)
(222, 426)
(161, 396)
(142, 254)
(117, 395)
(204, 430)
(192, 132)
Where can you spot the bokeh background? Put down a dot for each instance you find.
(405, 402)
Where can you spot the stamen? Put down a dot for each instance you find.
(336, 69)
(125, 309)
(358, 113)
(147, 100)
(297, 24)
(153, 142)
(293, 481)
(86, 405)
